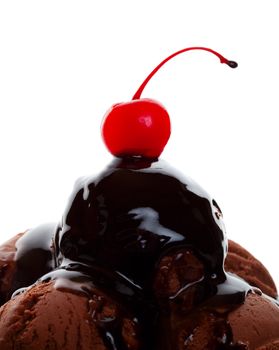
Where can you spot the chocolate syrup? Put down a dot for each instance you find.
(125, 220)
(117, 228)
(132, 214)
(34, 255)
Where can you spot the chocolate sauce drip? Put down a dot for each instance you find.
(127, 219)
(131, 215)
(34, 255)
(117, 229)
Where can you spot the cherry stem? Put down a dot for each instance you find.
(231, 64)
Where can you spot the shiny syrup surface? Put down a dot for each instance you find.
(117, 228)
(133, 213)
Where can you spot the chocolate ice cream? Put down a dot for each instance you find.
(138, 260)
(152, 244)
(7, 267)
(253, 325)
(45, 317)
(246, 266)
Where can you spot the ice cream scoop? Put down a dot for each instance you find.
(49, 318)
(252, 325)
(246, 266)
(7, 267)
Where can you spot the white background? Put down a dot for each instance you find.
(64, 63)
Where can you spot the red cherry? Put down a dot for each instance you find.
(141, 127)
(136, 128)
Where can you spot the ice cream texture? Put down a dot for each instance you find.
(140, 261)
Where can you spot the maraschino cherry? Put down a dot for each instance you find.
(141, 127)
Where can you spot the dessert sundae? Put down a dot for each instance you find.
(139, 261)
